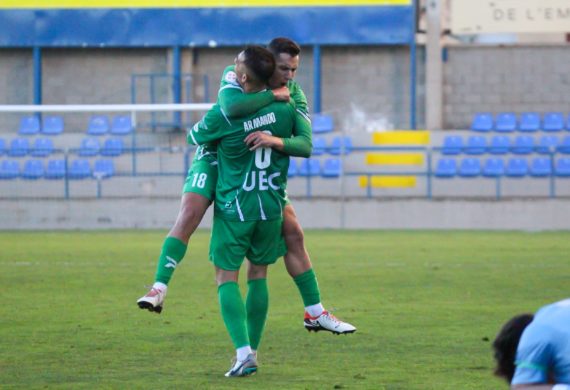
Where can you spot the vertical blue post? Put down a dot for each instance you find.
(176, 92)
(413, 69)
(206, 89)
(317, 78)
(428, 174)
(133, 89)
(37, 54)
(66, 176)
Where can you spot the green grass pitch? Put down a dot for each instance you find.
(426, 304)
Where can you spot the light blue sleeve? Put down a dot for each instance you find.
(534, 356)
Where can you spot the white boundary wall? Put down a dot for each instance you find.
(524, 214)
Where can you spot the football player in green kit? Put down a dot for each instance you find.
(248, 207)
(201, 181)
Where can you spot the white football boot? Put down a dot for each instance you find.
(328, 322)
(153, 300)
(243, 367)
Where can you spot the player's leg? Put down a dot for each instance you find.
(197, 194)
(299, 267)
(227, 251)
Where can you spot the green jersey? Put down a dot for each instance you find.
(251, 184)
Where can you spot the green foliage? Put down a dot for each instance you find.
(427, 306)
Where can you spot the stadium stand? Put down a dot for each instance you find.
(452, 145)
(52, 125)
(309, 167)
(19, 147)
(121, 125)
(494, 167)
(563, 167)
(470, 167)
(55, 169)
(506, 122)
(112, 147)
(103, 169)
(319, 146)
(89, 147)
(500, 144)
(446, 168)
(29, 125)
(553, 121)
(564, 146)
(482, 122)
(42, 147)
(540, 167)
(516, 167)
(524, 144)
(2, 146)
(33, 169)
(332, 167)
(79, 169)
(9, 169)
(322, 123)
(340, 143)
(98, 125)
(529, 122)
(292, 171)
(476, 144)
(547, 144)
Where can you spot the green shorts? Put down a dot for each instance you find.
(201, 179)
(260, 241)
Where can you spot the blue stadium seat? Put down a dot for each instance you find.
(506, 122)
(98, 125)
(553, 121)
(89, 147)
(292, 171)
(500, 144)
(564, 145)
(482, 121)
(338, 143)
(470, 167)
(452, 145)
(332, 167)
(112, 147)
(319, 146)
(446, 167)
(540, 167)
(494, 167)
(9, 169)
(2, 146)
(547, 144)
(476, 144)
(103, 168)
(309, 167)
(516, 167)
(322, 123)
(42, 147)
(563, 167)
(121, 125)
(524, 144)
(79, 169)
(33, 169)
(55, 169)
(52, 125)
(19, 147)
(29, 125)
(529, 122)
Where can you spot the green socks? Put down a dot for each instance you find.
(257, 305)
(173, 251)
(233, 313)
(308, 287)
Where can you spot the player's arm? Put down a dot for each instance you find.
(300, 145)
(235, 103)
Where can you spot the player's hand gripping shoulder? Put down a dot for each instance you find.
(281, 94)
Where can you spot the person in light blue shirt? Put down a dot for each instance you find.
(533, 351)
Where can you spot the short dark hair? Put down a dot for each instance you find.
(259, 62)
(284, 45)
(506, 343)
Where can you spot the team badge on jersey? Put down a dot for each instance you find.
(231, 78)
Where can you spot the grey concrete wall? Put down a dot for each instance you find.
(528, 215)
(496, 79)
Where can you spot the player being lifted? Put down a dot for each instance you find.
(200, 185)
